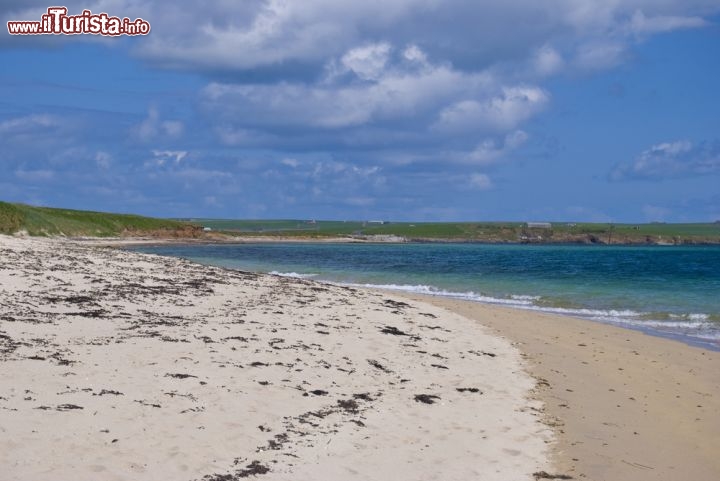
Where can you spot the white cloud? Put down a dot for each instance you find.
(28, 123)
(680, 158)
(413, 53)
(489, 152)
(367, 62)
(290, 162)
(502, 111)
(395, 94)
(261, 34)
(162, 158)
(172, 128)
(640, 24)
(257, 34)
(153, 127)
(600, 54)
(480, 181)
(547, 61)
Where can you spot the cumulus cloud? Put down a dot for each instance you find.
(490, 151)
(153, 127)
(367, 62)
(391, 93)
(501, 111)
(166, 158)
(668, 160)
(263, 34)
(400, 97)
(396, 89)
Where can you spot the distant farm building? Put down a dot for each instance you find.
(538, 225)
(207, 229)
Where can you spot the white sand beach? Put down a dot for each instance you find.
(116, 365)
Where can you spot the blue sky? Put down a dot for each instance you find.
(394, 109)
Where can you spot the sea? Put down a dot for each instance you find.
(668, 291)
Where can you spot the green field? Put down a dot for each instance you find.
(46, 221)
(473, 231)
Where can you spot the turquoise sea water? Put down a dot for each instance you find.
(667, 291)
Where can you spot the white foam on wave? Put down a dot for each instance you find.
(694, 324)
(294, 275)
(434, 291)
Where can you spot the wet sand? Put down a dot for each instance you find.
(626, 406)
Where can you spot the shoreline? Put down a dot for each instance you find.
(623, 323)
(626, 406)
(622, 405)
(118, 365)
(222, 239)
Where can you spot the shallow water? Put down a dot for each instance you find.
(668, 291)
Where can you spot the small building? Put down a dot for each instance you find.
(538, 225)
(207, 229)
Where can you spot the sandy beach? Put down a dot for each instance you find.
(118, 365)
(626, 406)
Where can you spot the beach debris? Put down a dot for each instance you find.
(179, 375)
(363, 396)
(67, 407)
(108, 391)
(397, 332)
(468, 389)
(253, 469)
(379, 366)
(426, 398)
(483, 353)
(545, 475)
(395, 304)
(348, 405)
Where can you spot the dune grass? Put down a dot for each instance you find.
(46, 221)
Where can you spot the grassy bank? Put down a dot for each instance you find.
(595, 233)
(46, 221)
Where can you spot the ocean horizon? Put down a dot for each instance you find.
(665, 291)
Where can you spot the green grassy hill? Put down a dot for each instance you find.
(559, 232)
(46, 221)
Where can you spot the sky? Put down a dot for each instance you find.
(405, 110)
